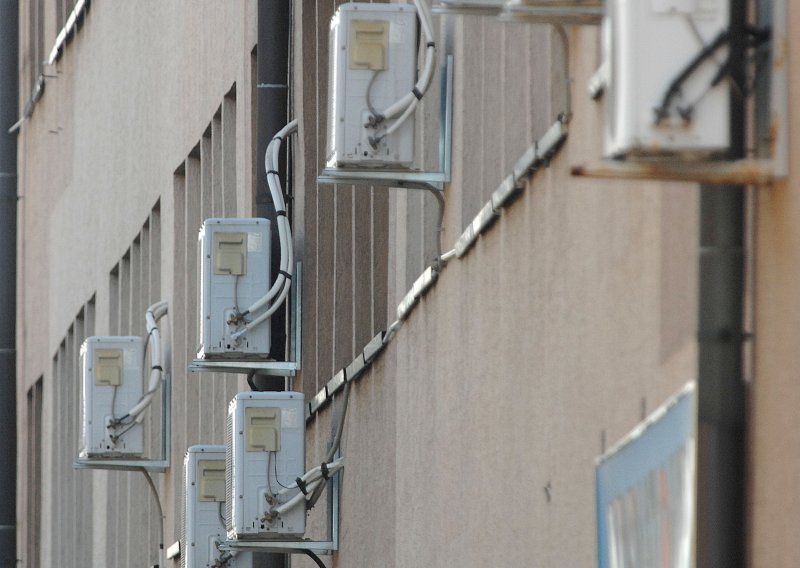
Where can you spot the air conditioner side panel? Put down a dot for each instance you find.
(349, 112)
(202, 526)
(222, 294)
(650, 44)
(256, 474)
(100, 404)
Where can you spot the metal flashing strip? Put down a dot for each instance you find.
(420, 286)
(353, 370)
(160, 465)
(537, 156)
(174, 551)
(270, 368)
(408, 179)
(74, 22)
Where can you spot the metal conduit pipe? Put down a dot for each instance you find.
(272, 114)
(721, 388)
(9, 110)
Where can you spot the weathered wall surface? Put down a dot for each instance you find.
(471, 441)
(144, 130)
(775, 393)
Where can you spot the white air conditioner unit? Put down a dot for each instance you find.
(234, 274)
(204, 507)
(265, 445)
(373, 58)
(665, 97)
(112, 384)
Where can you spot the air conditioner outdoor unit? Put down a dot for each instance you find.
(204, 507)
(667, 95)
(373, 57)
(112, 384)
(265, 453)
(234, 274)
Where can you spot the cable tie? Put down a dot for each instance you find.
(431, 44)
(301, 485)
(157, 368)
(279, 138)
(281, 213)
(325, 473)
(416, 93)
(276, 172)
(286, 274)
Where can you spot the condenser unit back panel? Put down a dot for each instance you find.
(234, 274)
(650, 43)
(266, 451)
(372, 52)
(204, 493)
(112, 384)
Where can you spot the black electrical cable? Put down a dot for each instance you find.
(273, 457)
(756, 37)
(315, 558)
(337, 439)
(251, 382)
(662, 111)
(375, 116)
(154, 491)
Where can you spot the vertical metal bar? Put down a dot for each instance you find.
(9, 92)
(447, 135)
(166, 420)
(780, 87)
(334, 519)
(297, 316)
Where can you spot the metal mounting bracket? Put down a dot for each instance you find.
(160, 465)
(745, 171)
(295, 546)
(271, 368)
(582, 12)
(411, 179)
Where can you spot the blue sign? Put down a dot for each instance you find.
(646, 491)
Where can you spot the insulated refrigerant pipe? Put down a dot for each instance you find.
(9, 111)
(153, 314)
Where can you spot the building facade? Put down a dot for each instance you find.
(471, 436)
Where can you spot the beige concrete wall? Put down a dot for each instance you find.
(471, 441)
(774, 465)
(132, 96)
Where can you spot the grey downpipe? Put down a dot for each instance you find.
(274, 22)
(272, 114)
(721, 388)
(9, 111)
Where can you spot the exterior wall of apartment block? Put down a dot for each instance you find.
(471, 440)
